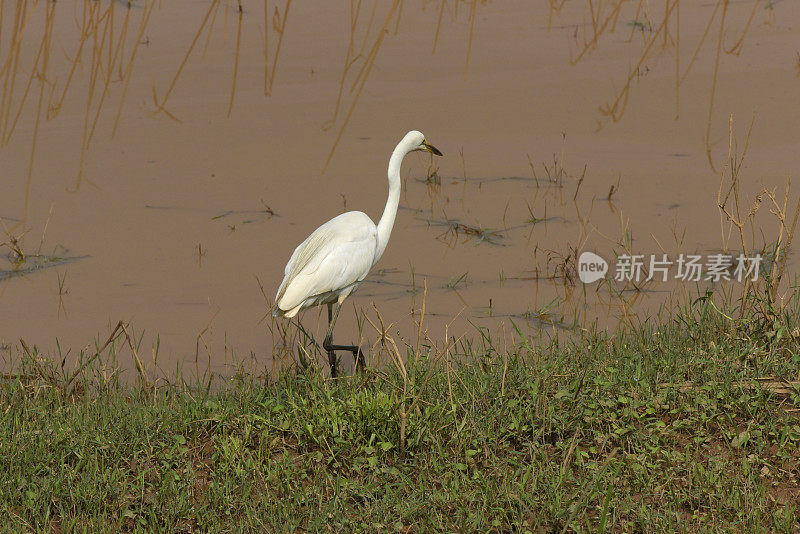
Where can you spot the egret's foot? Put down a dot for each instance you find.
(332, 360)
(358, 356)
(330, 349)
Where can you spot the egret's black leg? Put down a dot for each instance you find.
(331, 348)
(327, 343)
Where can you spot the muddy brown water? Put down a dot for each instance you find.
(159, 160)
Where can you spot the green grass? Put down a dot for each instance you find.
(652, 428)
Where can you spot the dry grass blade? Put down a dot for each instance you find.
(197, 343)
(139, 365)
(111, 338)
(33, 359)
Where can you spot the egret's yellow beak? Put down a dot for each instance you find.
(432, 149)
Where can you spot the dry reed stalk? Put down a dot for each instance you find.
(736, 49)
(127, 76)
(161, 106)
(714, 83)
(112, 61)
(279, 25)
(361, 81)
(734, 165)
(598, 31)
(736, 217)
(616, 109)
(473, 11)
(236, 60)
(782, 250)
(438, 27)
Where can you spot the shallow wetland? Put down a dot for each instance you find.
(161, 160)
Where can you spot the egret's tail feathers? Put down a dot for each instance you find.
(291, 313)
(277, 312)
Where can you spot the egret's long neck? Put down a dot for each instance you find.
(390, 211)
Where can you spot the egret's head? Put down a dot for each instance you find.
(416, 141)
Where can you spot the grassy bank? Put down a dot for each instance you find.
(691, 425)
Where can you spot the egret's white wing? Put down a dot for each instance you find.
(336, 255)
(342, 268)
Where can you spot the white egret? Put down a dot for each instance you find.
(333, 261)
